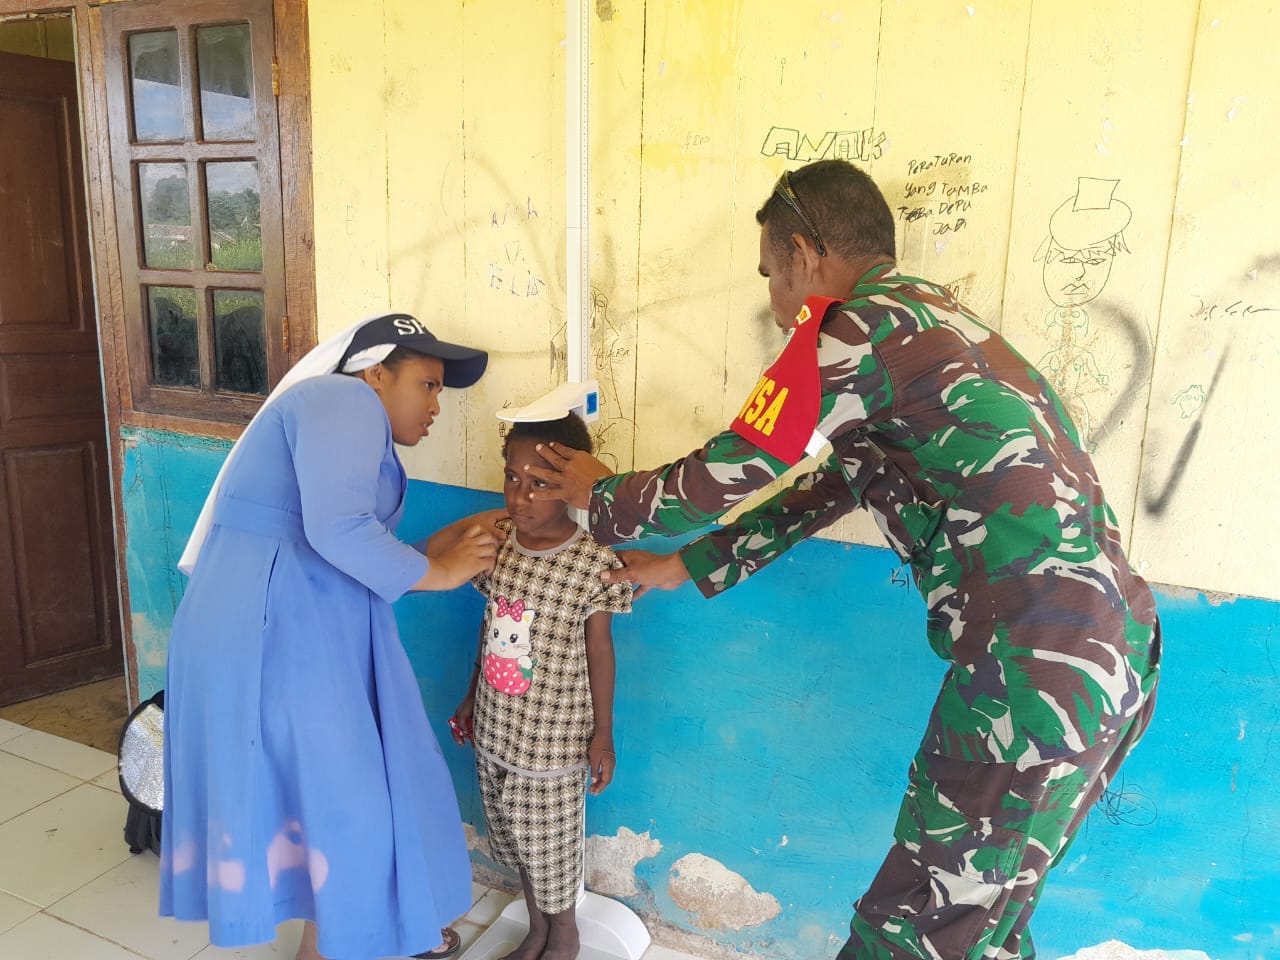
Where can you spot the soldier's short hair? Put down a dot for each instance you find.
(846, 207)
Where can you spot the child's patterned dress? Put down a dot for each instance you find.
(533, 713)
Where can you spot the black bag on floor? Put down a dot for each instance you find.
(141, 767)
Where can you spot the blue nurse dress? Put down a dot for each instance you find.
(301, 777)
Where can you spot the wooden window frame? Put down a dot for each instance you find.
(291, 76)
(195, 156)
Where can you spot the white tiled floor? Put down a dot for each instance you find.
(70, 889)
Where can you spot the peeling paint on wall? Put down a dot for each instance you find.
(718, 897)
(667, 934)
(611, 861)
(1115, 950)
(151, 642)
(484, 869)
(476, 843)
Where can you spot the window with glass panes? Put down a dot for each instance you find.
(196, 177)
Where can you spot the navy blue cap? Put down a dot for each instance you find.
(463, 366)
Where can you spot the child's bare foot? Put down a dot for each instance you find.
(531, 947)
(562, 938)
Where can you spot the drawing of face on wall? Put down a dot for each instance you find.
(1085, 234)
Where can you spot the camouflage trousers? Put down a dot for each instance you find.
(975, 842)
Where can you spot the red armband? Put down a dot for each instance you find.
(781, 414)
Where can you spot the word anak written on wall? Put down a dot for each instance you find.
(833, 145)
(940, 192)
(509, 270)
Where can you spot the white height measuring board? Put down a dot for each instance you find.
(577, 114)
(609, 930)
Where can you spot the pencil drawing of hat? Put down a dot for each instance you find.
(1091, 217)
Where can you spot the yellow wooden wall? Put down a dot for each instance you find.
(439, 147)
(49, 37)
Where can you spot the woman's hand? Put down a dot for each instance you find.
(474, 552)
(442, 540)
(602, 760)
(571, 475)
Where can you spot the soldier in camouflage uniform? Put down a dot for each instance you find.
(976, 476)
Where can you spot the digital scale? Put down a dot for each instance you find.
(608, 930)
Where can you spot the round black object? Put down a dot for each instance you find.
(141, 769)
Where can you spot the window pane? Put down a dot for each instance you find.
(226, 82)
(235, 218)
(175, 344)
(238, 341)
(157, 87)
(166, 216)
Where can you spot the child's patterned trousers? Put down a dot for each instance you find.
(536, 823)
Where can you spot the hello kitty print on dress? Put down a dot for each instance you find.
(508, 665)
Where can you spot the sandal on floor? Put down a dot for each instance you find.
(446, 949)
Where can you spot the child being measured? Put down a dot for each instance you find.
(540, 706)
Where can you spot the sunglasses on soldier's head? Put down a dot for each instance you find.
(787, 192)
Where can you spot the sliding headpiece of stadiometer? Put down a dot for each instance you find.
(580, 398)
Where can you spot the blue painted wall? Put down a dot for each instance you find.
(770, 730)
(166, 477)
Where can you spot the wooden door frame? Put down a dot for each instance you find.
(294, 109)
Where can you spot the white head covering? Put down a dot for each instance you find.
(364, 359)
(321, 359)
(463, 366)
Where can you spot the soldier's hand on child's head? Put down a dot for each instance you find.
(603, 761)
(569, 475)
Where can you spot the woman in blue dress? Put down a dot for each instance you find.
(302, 779)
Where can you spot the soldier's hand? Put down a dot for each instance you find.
(664, 571)
(569, 476)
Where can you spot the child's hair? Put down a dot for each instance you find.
(568, 431)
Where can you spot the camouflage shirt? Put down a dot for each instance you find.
(976, 477)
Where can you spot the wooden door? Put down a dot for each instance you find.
(59, 607)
